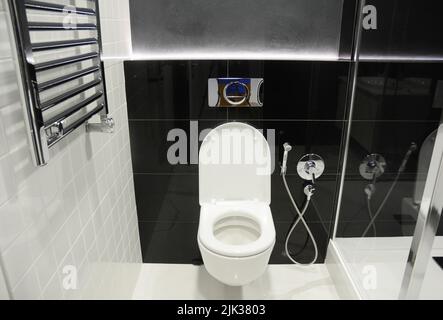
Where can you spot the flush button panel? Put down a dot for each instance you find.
(236, 92)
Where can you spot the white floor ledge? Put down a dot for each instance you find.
(187, 282)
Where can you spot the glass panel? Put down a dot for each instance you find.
(397, 111)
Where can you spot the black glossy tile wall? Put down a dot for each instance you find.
(300, 246)
(169, 242)
(304, 105)
(293, 90)
(151, 148)
(167, 198)
(159, 90)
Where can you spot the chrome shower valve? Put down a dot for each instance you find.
(311, 167)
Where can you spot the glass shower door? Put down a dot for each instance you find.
(423, 276)
(388, 213)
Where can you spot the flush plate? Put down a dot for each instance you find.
(236, 92)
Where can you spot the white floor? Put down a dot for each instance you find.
(387, 257)
(186, 282)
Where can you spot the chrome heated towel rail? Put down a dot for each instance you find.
(59, 49)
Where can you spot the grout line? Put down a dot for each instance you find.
(235, 119)
(406, 121)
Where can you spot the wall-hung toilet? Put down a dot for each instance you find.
(236, 231)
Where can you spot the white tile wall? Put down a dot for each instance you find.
(4, 294)
(116, 28)
(80, 209)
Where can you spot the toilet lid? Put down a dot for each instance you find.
(235, 165)
(260, 213)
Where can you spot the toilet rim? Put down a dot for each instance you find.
(260, 214)
(232, 256)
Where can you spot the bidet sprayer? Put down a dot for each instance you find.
(408, 154)
(287, 147)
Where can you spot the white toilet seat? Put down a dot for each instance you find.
(258, 212)
(236, 234)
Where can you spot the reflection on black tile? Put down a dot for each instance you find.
(296, 90)
(149, 145)
(355, 200)
(399, 91)
(179, 89)
(157, 90)
(200, 72)
(300, 246)
(397, 217)
(153, 153)
(167, 198)
(305, 90)
(169, 242)
(399, 36)
(172, 89)
(390, 139)
(355, 229)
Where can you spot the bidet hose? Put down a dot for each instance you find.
(402, 168)
(295, 224)
(374, 218)
(371, 216)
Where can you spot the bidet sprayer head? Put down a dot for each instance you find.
(287, 147)
(408, 154)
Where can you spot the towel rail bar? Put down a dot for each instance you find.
(46, 130)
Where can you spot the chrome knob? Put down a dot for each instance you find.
(372, 167)
(311, 167)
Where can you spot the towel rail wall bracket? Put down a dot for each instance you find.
(56, 107)
(106, 125)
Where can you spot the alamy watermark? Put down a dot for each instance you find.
(370, 21)
(225, 147)
(369, 280)
(70, 279)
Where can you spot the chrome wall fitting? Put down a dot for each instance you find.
(55, 131)
(309, 191)
(311, 167)
(106, 125)
(373, 167)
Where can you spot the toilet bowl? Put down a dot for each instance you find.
(236, 233)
